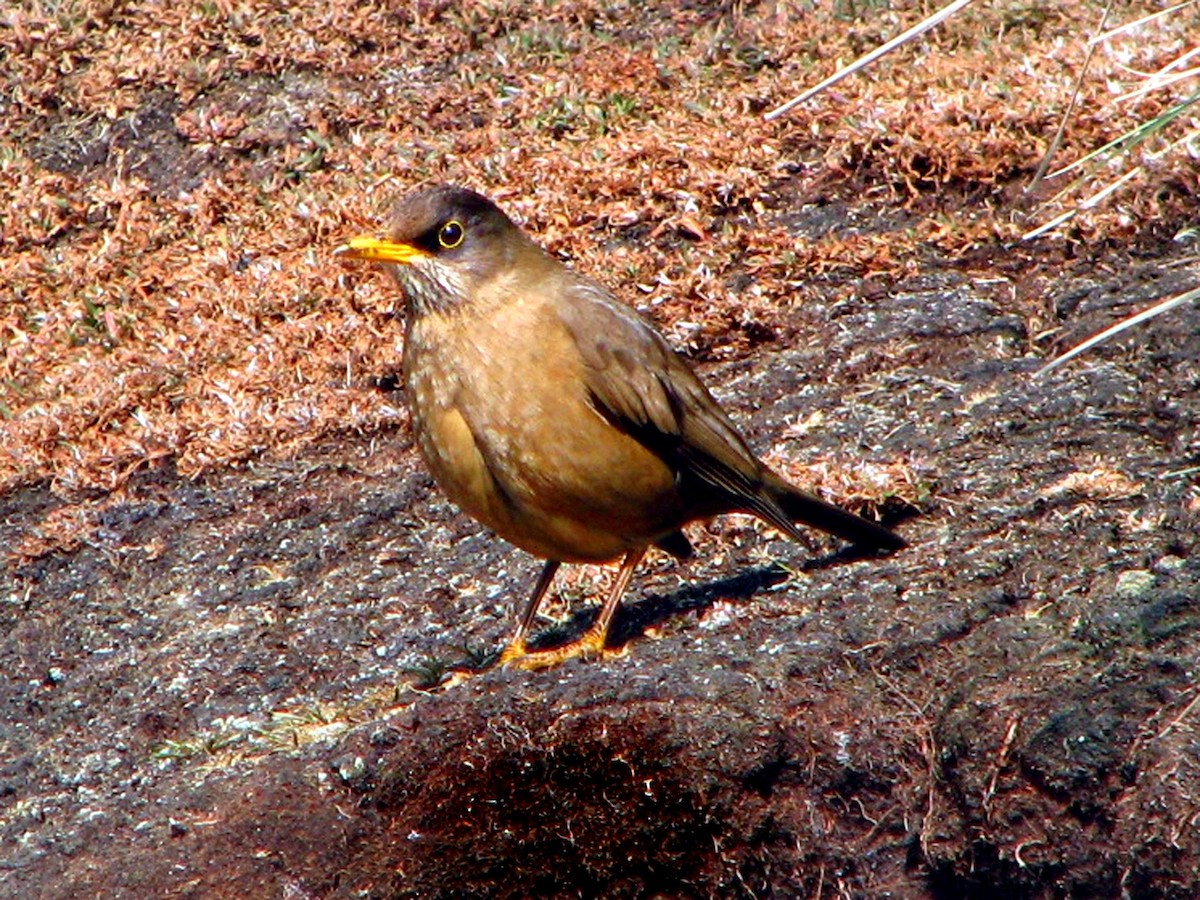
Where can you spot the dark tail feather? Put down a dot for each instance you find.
(799, 506)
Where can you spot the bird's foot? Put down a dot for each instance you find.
(589, 646)
(515, 651)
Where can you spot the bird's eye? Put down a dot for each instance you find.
(451, 235)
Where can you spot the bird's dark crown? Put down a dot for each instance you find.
(422, 217)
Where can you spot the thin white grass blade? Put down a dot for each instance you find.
(1085, 204)
(1143, 20)
(1156, 309)
(1155, 82)
(1178, 62)
(868, 58)
(1051, 225)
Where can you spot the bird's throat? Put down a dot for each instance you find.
(428, 288)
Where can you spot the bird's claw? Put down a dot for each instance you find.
(590, 646)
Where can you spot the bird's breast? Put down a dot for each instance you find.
(503, 417)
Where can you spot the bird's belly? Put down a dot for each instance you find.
(555, 493)
(529, 458)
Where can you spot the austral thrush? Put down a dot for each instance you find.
(559, 417)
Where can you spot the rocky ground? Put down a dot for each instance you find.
(228, 690)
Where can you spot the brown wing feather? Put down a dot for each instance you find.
(644, 387)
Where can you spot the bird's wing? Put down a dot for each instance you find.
(642, 386)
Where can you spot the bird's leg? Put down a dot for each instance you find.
(593, 640)
(516, 647)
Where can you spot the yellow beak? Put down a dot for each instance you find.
(367, 247)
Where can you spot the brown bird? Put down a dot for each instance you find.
(559, 417)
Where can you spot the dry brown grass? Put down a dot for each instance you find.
(169, 292)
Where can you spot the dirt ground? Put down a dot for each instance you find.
(225, 652)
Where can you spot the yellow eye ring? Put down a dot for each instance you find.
(451, 235)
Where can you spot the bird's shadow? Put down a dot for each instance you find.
(634, 619)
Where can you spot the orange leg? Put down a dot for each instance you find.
(516, 647)
(591, 643)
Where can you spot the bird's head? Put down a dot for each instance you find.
(447, 246)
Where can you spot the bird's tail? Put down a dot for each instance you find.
(786, 504)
